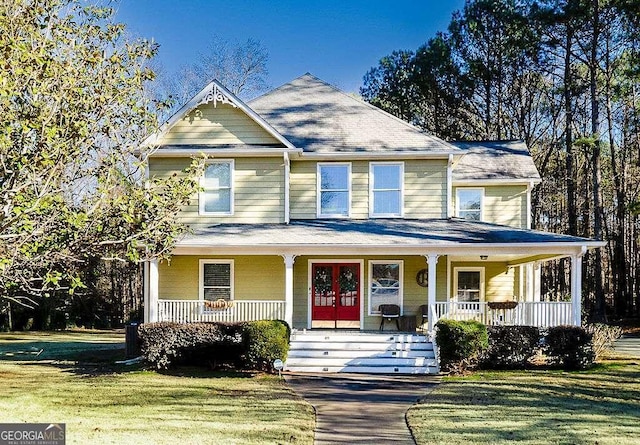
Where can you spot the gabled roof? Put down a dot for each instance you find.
(319, 118)
(215, 92)
(494, 161)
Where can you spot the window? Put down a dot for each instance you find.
(469, 203)
(385, 284)
(216, 197)
(469, 284)
(386, 188)
(216, 280)
(334, 190)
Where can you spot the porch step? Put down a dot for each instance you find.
(361, 352)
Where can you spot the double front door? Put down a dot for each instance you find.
(335, 295)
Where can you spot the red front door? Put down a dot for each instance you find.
(335, 292)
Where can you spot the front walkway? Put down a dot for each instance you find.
(361, 409)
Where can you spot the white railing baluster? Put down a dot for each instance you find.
(190, 311)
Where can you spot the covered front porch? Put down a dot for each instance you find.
(447, 268)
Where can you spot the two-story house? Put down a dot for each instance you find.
(316, 208)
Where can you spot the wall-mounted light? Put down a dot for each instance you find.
(484, 257)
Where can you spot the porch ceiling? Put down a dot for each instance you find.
(452, 236)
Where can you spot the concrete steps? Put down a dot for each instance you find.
(360, 352)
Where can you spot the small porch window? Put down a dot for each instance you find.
(216, 280)
(469, 203)
(385, 284)
(386, 183)
(334, 190)
(216, 197)
(469, 284)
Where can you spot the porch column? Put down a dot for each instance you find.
(289, 259)
(151, 293)
(576, 288)
(432, 261)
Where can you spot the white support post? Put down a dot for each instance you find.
(576, 288)
(432, 261)
(289, 260)
(152, 293)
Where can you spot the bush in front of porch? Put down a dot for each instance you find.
(460, 344)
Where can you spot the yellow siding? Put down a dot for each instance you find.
(255, 277)
(505, 205)
(499, 280)
(223, 124)
(258, 190)
(425, 191)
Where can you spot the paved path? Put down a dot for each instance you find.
(361, 409)
(628, 345)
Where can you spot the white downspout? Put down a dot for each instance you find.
(287, 185)
(449, 185)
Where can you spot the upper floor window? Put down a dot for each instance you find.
(386, 183)
(334, 190)
(469, 203)
(216, 197)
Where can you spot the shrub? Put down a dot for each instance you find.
(511, 347)
(570, 347)
(460, 344)
(603, 337)
(165, 345)
(265, 341)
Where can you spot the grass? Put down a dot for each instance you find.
(600, 406)
(74, 381)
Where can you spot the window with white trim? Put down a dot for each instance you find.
(216, 280)
(469, 284)
(385, 284)
(469, 202)
(216, 197)
(385, 188)
(334, 190)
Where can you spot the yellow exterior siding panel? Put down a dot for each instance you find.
(499, 280)
(503, 204)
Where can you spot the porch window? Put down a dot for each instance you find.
(386, 181)
(334, 190)
(216, 197)
(385, 284)
(469, 203)
(216, 280)
(469, 284)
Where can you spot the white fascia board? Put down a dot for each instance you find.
(388, 155)
(506, 181)
(195, 101)
(212, 152)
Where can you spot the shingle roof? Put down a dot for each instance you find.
(494, 160)
(380, 232)
(318, 117)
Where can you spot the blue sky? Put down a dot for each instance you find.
(338, 41)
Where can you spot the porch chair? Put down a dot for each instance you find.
(389, 312)
(423, 314)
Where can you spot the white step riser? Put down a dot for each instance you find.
(363, 338)
(319, 353)
(366, 369)
(361, 361)
(352, 346)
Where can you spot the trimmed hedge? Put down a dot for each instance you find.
(511, 347)
(460, 344)
(569, 347)
(251, 345)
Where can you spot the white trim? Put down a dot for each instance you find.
(529, 190)
(454, 295)
(487, 182)
(241, 152)
(311, 262)
(400, 284)
(319, 165)
(480, 189)
(202, 181)
(202, 263)
(287, 188)
(153, 291)
(369, 155)
(449, 212)
(372, 213)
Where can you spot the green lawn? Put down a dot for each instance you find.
(106, 404)
(600, 406)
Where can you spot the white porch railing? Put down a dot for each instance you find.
(191, 311)
(543, 314)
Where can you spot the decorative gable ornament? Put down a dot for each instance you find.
(215, 95)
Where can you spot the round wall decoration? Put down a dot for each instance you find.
(422, 278)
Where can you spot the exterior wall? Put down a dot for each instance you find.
(500, 281)
(255, 277)
(223, 124)
(258, 190)
(425, 189)
(505, 205)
